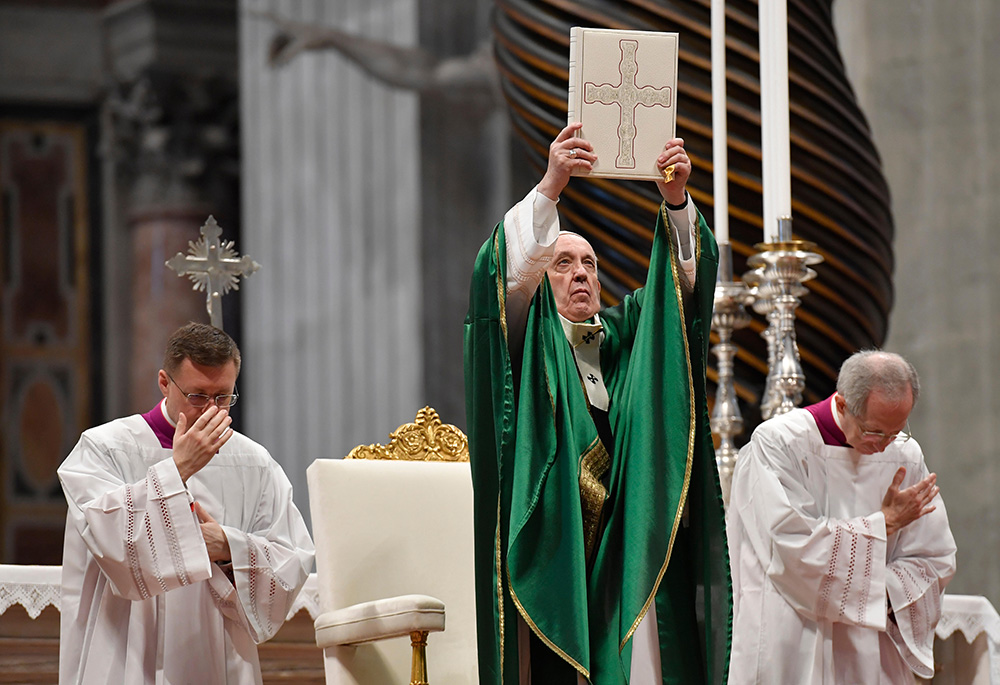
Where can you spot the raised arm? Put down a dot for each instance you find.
(681, 212)
(532, 226)
(674, 155)
(566, 153)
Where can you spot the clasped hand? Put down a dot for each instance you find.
(195, 446)
(903, 507)
(215, 538)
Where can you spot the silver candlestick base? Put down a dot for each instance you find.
(783, 267)
(728, 314)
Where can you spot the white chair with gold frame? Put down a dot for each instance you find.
(394, 551)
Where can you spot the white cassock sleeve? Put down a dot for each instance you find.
(921, 563)
(143, 535)
(270, 563)
(683, 227)
(826, 569)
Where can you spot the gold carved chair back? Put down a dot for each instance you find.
(425, 439)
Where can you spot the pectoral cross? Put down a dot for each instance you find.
(214, 267)
(627, 95)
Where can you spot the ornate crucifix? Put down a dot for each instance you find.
(214, 267)
(627, 95)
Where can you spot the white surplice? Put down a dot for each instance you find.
(814, 574)
(141, 602)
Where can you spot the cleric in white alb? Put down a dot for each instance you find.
(183, 547)
(839, 541)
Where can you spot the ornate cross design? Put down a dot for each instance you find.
(214, 267)
(627, 95)
(588, 337)
(592, 378)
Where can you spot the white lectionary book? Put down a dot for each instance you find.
(623, 87)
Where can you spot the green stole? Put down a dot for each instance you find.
(535, 451)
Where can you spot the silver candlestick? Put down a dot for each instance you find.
(728, 314)
(762, 294)
(784, 267)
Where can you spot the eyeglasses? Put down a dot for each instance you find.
(902, 435)
(198, 400)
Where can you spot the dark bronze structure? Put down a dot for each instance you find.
(840, 199)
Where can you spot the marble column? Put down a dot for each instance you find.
(161, 302)
(169, 134)
(332, 322)
(170, 158)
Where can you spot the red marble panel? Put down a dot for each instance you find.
(34, 179)
(45, 310)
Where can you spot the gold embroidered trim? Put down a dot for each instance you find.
(499, 588)
(593, 465)
(501, 285)
(531, 624)
(548, 389)
(691, 431)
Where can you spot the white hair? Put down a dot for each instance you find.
(869, 370)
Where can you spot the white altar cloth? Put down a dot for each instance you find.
(972, 661)
(36, 587)
(33, 587)
(976, 659)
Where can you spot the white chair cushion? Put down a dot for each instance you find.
(378, 620)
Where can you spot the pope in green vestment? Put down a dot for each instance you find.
(597, 497)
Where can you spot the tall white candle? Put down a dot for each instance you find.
(775, 133)
(720, 148)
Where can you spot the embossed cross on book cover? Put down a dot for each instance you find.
(623, 87)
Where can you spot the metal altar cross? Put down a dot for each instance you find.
(214, 267)
(627, 96)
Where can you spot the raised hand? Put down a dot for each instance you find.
(215, 538)
(673, 154)
(566, 153)
(195, 446)
(903, 507)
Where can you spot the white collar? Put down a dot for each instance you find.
(584, 332)
(836, 413)
(163, 409)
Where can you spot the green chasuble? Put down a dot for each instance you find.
(579, 538)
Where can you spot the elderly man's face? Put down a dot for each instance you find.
(573, 274)
(882, 416)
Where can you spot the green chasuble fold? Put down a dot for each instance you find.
(579, 538)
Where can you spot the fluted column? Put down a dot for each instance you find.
(332, 337)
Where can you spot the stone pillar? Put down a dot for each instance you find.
(161, 301)
(171, 148)
(169, 136)
(332, 321)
